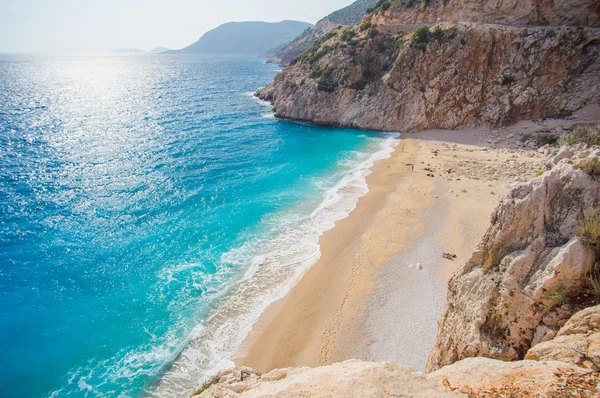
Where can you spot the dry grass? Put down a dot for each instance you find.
(588, 231)
(590, 167)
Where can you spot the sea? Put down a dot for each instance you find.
(151, 208)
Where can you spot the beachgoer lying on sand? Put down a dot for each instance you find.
(449, 256)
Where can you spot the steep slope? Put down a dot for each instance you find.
(245, 38)
(511, 12)
(349, 15)
(457, 74)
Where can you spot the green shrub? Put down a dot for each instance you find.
(559, 296)
(365, 25)
(347, 34)
(590, 167)
(326, 82)
(594, 282)
(438, 34)
(588, 231)
(420, 38)
(589, 135)
(325, 37)
(547, 139)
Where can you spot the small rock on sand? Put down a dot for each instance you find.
(419, 266)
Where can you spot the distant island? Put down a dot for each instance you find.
(255, 38)
(128, 50)
(160, 50)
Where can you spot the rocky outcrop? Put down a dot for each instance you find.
(511, 12)
(472, 377)
(478, 74)
(514, 290)
(487, 63)
(347, 379)
(578, 342)
(483, 377)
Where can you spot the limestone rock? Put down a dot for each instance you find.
(509, 12)
(479, 74)
(526, 266)
(352, 378)
(576, 342)
(484, 377)
(474, 377)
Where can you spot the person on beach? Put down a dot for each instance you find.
(412, 167)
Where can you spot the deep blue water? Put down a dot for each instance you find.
(143, 201)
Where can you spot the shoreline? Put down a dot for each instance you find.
(366, 290)
(324, 288)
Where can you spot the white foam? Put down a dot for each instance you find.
(255, 98)
(271, 268)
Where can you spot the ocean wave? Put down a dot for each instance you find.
(272, 266)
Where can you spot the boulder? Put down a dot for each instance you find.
(484, 377)
(577, 342)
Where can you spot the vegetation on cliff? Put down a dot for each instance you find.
(349, 15)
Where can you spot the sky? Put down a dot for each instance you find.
(91, 26)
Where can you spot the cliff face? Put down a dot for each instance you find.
(349, 15)
(515, 290)
(459, 74)
(301, 43)
(511, 12)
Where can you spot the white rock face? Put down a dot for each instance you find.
(484, 377)
(578, 342)
(347, 379)
(512, 288)
(484, 74)
(474, 377)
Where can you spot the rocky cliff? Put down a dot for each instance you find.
(529, 273)
(349, 15)
(506, 12)
(388, 74)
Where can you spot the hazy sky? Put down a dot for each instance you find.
(103, 25)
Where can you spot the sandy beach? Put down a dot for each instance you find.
(378, 289)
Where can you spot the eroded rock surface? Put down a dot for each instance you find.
(492, 63)
(509, 12)
(346, 379)
(473, 377)
(515, 287)
(484, 377)
(578, 342)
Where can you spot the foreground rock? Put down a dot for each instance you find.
(484, 377)
(514, 290)
(347, 379)
(578, 342)
(473, 377)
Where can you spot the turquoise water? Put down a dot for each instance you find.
(150, 209)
